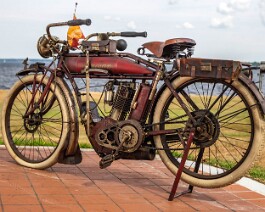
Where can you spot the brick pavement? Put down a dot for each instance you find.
(124, 186)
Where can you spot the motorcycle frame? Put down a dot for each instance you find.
(158, 73)
(71, 76)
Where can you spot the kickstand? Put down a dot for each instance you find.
(180, 169)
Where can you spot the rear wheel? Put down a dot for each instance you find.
(227, 140)
(35, 141)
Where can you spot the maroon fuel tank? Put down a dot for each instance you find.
(114, 64)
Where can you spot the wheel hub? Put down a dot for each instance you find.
(208, 129)
(32, 123)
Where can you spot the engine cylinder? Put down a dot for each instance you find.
(122, 102)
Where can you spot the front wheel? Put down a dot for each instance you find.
(228, 139)
(36, 140)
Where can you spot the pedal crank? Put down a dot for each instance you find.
(108, 159)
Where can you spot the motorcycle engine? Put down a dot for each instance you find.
(115, 131)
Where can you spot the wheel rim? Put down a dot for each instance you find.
(229, 127)
(36, 137)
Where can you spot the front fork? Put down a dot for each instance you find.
(34, 105)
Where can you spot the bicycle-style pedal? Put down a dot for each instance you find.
(106, 161)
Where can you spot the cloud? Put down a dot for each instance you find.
(224, 22)
(228, 9)
(131, 25)
(224, 8)
(240, 4)
(233, 5)
(172, 2)
(188, 25)
(185, 25)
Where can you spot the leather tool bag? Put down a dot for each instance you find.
(210, 68)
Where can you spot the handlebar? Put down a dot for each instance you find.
(134, 34)
(76, 22)
(122, 34)
(128, 34)
(79, 22)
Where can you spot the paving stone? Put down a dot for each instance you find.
(126, 185)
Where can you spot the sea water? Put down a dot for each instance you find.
(9, 68)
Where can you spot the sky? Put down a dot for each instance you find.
(222, 29)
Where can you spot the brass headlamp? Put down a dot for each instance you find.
(45, 46)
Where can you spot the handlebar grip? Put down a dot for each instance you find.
(78, 22)
(134, 34)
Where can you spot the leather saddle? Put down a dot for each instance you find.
(169, 48)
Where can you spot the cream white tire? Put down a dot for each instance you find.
(255, 151)
(53, 158)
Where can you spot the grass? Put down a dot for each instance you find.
(85, 145)
(257, 173)
(39, 143)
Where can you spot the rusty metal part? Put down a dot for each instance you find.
(181, 166)
(137, 60)
(160, 132)
(183, 105)
(113, 64)
(134, 130)
(158, 77)
(167, 49)
(103, 133)
(140, 103)
(208, 131)
(210, 68)
(105, 46)
(76, 22)
(122, 102)
(95, 129)
(43, 47)
(125, 136)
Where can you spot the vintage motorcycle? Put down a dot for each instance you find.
(133, 107)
